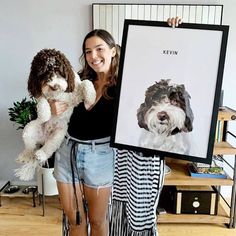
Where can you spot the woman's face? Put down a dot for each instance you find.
(98, 54)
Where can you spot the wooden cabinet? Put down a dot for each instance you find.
(180, 176)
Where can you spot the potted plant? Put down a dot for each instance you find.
(21, 114)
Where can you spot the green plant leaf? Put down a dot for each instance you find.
(23, 112)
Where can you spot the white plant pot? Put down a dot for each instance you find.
(45, 179)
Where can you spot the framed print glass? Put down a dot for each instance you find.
(169, 86)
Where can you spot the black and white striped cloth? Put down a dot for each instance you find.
(138, 181)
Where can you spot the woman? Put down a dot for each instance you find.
(87, 142)
(84, 164)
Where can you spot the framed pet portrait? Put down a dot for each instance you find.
(169, 86)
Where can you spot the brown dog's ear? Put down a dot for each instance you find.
(65, 70)
(140, 116)
(70, 79)
(34, 84)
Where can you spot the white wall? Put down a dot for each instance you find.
(26, 26)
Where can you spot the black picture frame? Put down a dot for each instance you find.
(169, 86)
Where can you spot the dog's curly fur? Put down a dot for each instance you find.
(46, 63)
(166, 117)
(51, 77)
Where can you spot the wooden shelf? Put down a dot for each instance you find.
(226, 114)
(222, 217)
(224, 148)
(180, 176)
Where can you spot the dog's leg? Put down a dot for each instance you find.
(32, 134)
(88, 93)
(43, 110)
(26, 171)
(52, 143)
(25, 156)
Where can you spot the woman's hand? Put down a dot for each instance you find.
(57, 107)
(174, 21)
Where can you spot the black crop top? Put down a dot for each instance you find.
(95, 123)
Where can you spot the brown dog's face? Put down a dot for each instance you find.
(45, 67)
(55, 85)
(166, 109)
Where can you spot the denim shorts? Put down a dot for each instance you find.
(94, 162)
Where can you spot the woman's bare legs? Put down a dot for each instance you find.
(67, 199)
(98, 200)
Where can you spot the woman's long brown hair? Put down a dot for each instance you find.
(88, 73)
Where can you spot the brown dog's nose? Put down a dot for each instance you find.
(55, 87)
(162, 115)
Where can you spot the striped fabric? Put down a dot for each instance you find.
(137, 184)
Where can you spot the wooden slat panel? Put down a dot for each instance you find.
(128, 10)
(121, 22)
(96, 22)
(154, 12)
(147, 12)
(115, 23)
(160, 12)
(111, 16)
(173, 10)
(134, 11)
(186, 14)
(218, 14)
(179, 11)
(166, 13)
(192, 14)
(211, 18)
(102, 17)
(205, 10)
(140, 12)
(198, 14)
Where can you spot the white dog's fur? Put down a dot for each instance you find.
(43, 136)
(166, 117)
(158, 137)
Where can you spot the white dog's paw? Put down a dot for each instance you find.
(89, 93)
(41, 156)
(26, 171)
(25, 156)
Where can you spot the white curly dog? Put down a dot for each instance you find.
(166, 118)
(51, 78)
